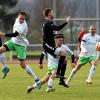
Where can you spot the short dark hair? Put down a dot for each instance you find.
(58, 36)
(46, 11)
(23, 13)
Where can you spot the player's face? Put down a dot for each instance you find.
(59, 42)
(92, 30)
(21, 18)
(51, 14)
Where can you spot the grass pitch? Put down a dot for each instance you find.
(15, 85)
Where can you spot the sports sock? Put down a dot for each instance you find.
(50, 83)
(61, 61)
(34, 85)
(92, 71)
(30, 72)
(71, 75)
(3, 64)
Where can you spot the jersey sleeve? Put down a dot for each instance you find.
(84, 39)
(12, 34)
(55, 27)
(68, 50)
(83, 44)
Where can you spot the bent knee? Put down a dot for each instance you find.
(62, 53)
(94, 63)
(22, 64)
(2, 49)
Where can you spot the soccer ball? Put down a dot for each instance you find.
(98, 46)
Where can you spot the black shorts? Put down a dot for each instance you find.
(49, 49)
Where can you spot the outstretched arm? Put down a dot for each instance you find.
(57, 28)
(9, 34)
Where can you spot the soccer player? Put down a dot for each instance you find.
(5, 69)
(80, 36)
(52, 69)
(88, 54)
(62, 69)
(19, 43)
(49, 29)
(52, 66)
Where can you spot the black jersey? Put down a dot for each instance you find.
(48, 31)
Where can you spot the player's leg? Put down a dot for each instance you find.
(92, 69)
(43, 81)
(74, 70)
(63, 70)
(21, 54)
(62, 55)
(2, 49)
(98, 55)
(51, 80)
(81, 61)
(6, 47)
(5, 68)
(30, 72)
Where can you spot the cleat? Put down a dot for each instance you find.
(67, 83)
(5, 72)
(38, 83)
(63, 84)
(88, 81)
(50, 89)
(29, 89)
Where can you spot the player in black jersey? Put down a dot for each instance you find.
(49, 29)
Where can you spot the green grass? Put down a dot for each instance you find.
(15, 84)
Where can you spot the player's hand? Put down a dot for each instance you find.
(68, 18)
(41, 66)
(73, 65)
(2, 34)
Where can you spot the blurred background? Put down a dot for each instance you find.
(83, 13)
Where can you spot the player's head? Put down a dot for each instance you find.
(81, 33)
(22, 16)
(59, 39)
(92, 29)
(48, 12)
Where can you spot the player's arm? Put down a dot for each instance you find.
(41, 59)
(57, 28)
(9, 34)
(72, 56)
(83, 44)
